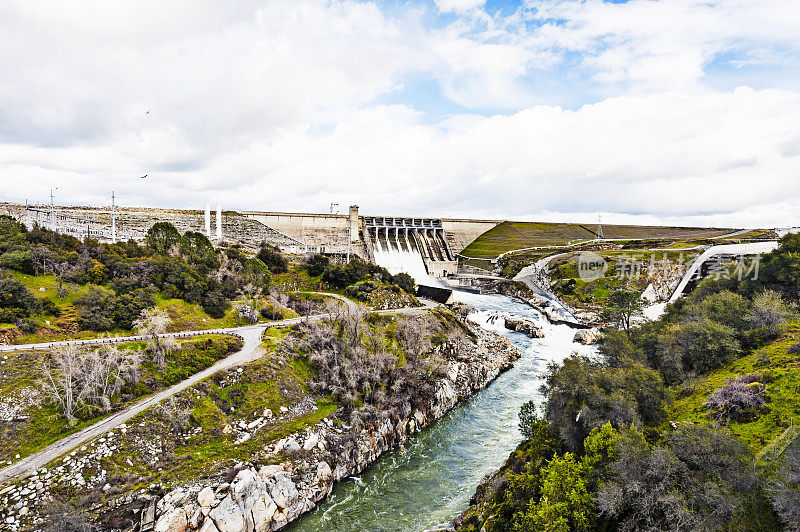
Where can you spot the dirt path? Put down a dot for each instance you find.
(251, 350)
(183, 334)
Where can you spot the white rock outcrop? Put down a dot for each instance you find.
(588, 336)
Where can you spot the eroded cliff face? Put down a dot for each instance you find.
(268, 497)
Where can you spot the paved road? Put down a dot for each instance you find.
(352, 305)
(251, 350)
(731, 235)
(183, 334)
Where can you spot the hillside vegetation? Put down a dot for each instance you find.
(55, 287)
(351, 370)
(685, 423)
(30, 420)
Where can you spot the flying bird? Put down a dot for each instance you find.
(145, 175)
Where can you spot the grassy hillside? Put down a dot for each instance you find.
(516, 235)
(781, 374)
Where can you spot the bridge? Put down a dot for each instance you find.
(700, 267)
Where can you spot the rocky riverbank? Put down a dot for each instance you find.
(267, 497)
(520, 292)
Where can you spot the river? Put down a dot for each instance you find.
(429, 482)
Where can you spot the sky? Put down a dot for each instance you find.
(647, 111)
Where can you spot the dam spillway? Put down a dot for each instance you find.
(416, 246)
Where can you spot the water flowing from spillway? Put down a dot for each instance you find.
(399, 254)
(426, 484)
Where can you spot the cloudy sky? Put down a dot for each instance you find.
(665, 111)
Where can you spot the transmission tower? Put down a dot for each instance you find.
(599, 231)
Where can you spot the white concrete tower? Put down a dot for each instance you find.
(219, 223)
(208, 221)
(113, 220)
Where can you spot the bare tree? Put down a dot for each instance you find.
(61, 382)
(414, 335)
(78, 378)
(132, 365)
(60, 268)
(737, 399)
(41, 256)
(102, 375)
(352, 326)
(175, 414)
(228, 268)
(334, 309)
(152, 323)
(247, 313)
(375, 340)
(249, 291)
(769, 312)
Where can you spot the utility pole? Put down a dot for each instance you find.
(219, 223)
(113, 220)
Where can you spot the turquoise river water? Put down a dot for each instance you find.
(429, 482)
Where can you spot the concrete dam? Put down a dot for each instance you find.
(415, 245)
(418, 246)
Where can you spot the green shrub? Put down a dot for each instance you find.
(404, 281)
(274, 259)
(316, 265)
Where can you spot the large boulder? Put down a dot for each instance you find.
(323, 472)
(311, 441)
(262, 511)
(268, 471)
(205, 497)
(228, 516)
(172, 521)
(284, 492)
(287, 445)
(524, 326)
(588, 336)
(208, 526)
(246, 489)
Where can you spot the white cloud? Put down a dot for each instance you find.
(459, 6)
(666, 44)
(203, 72)
(669, 157)
(546, 47)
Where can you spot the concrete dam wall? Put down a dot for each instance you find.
(433, 242)
(133, 223)
(418, 246)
